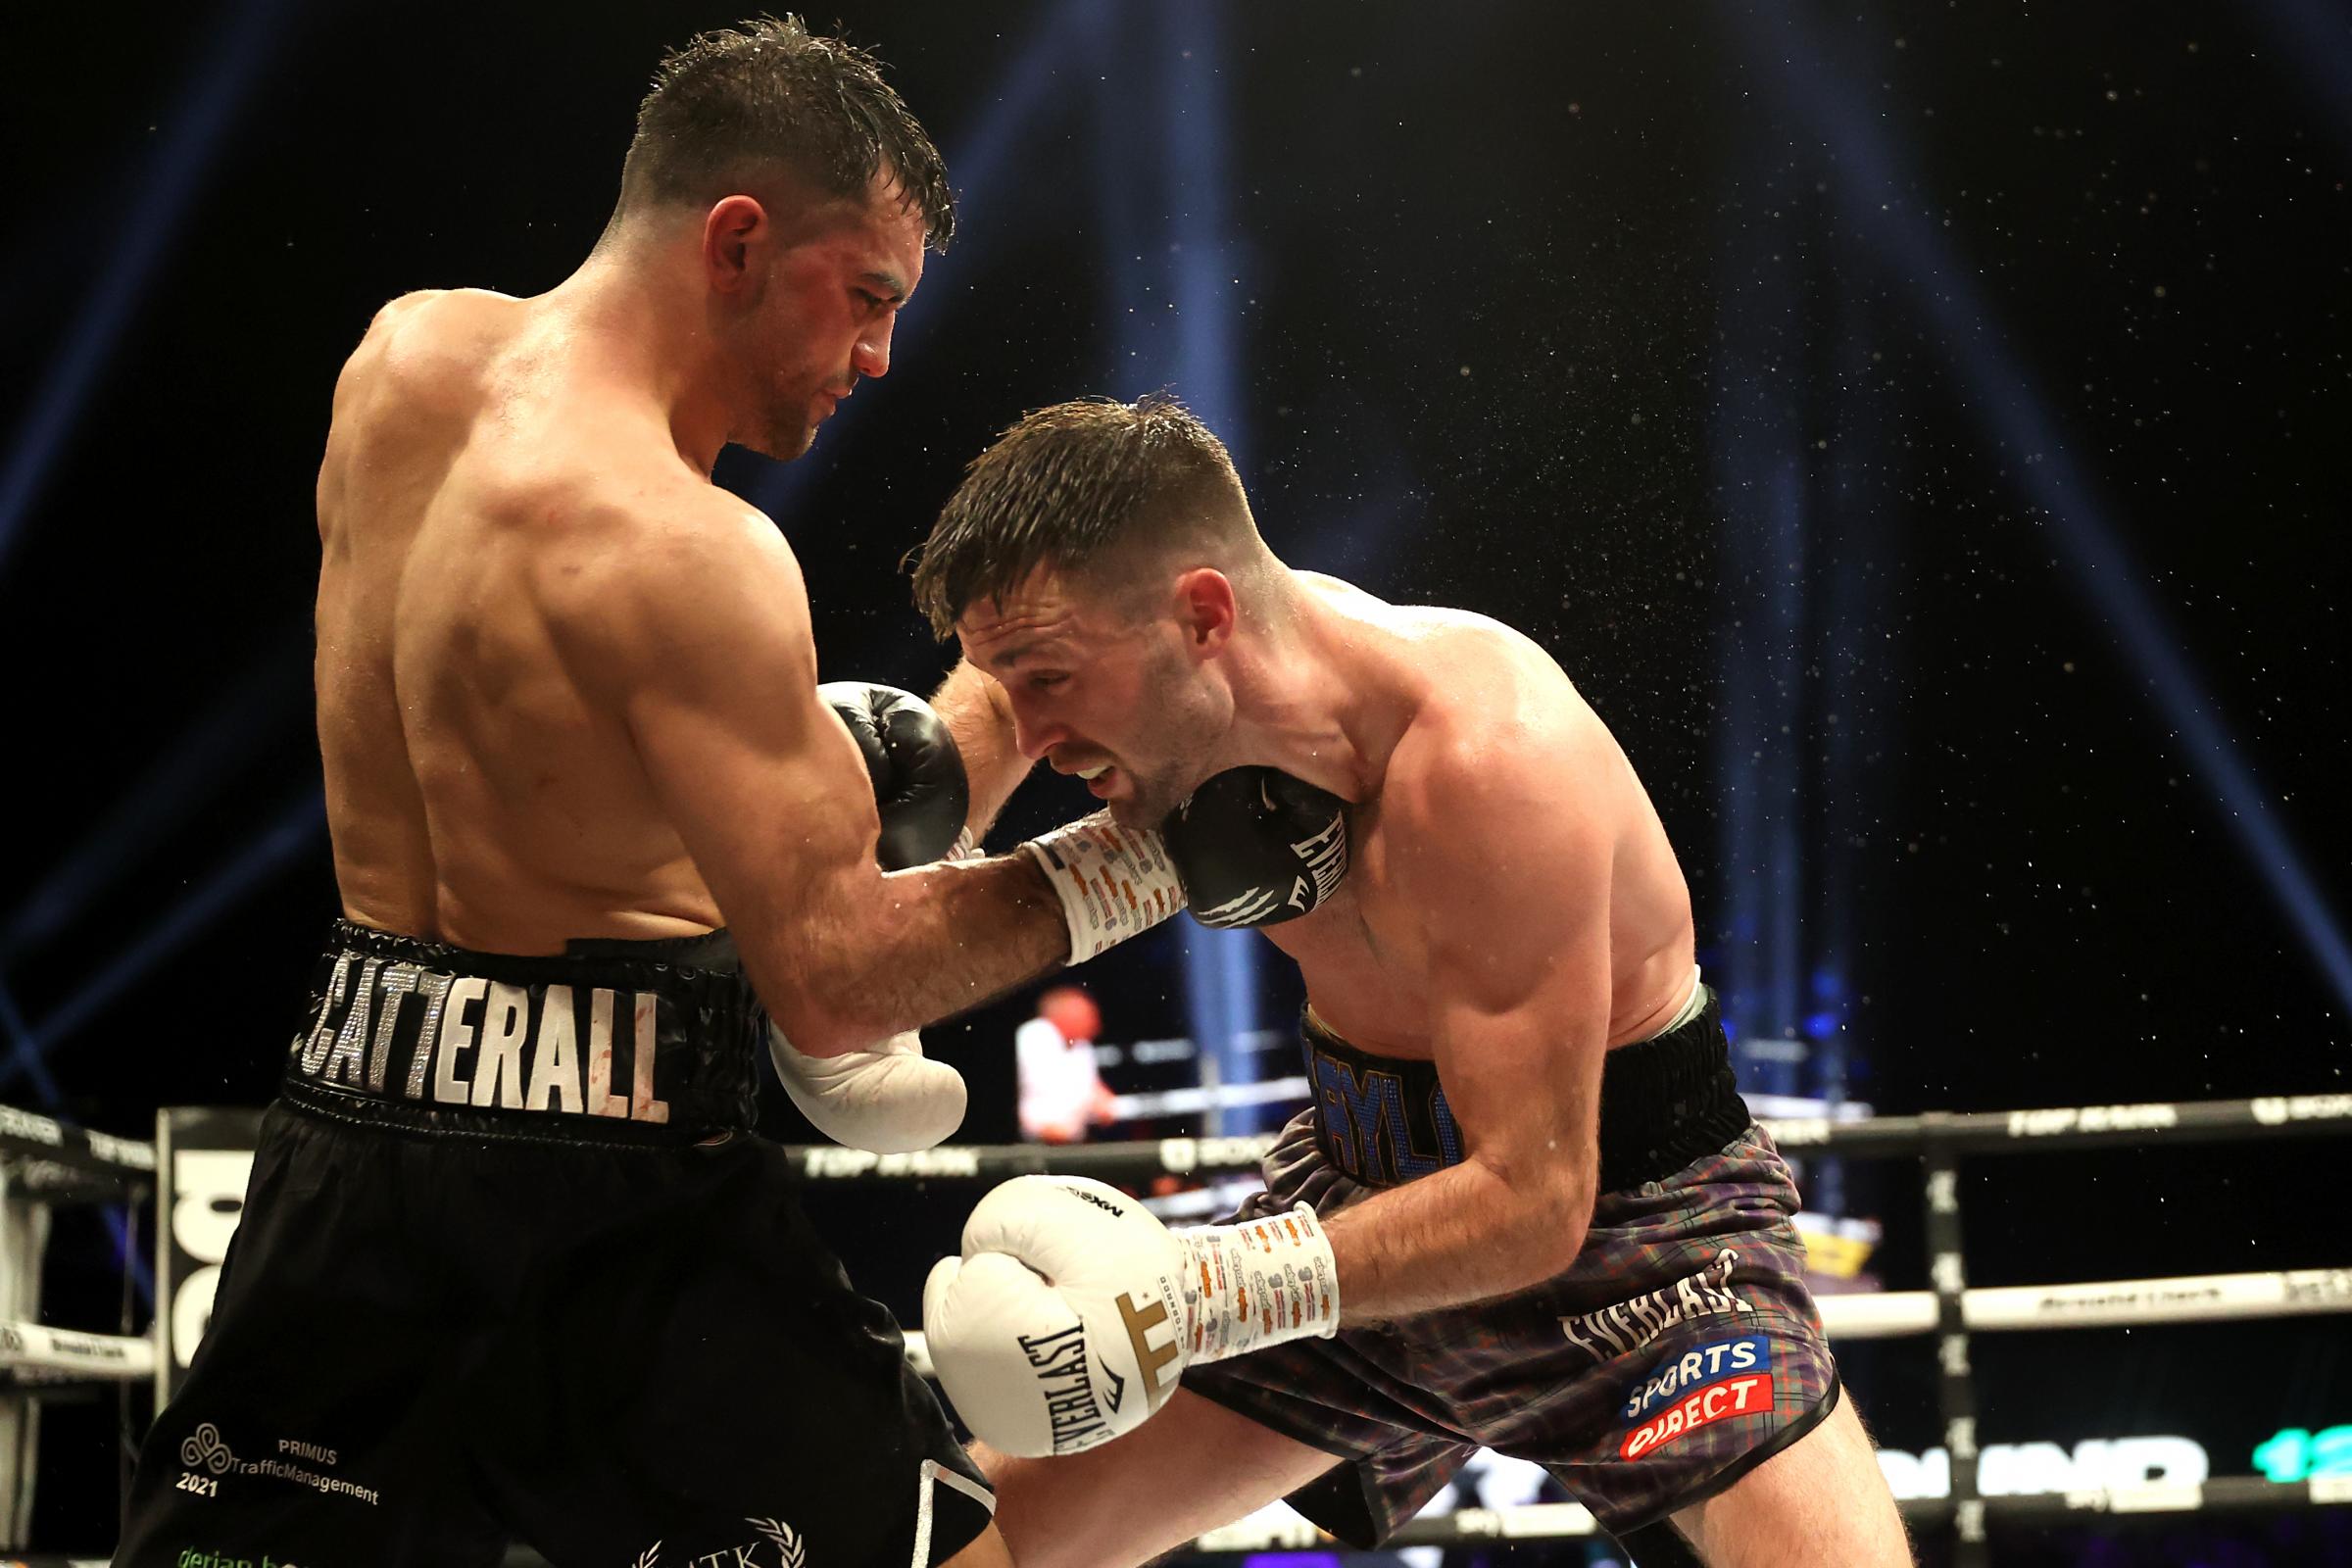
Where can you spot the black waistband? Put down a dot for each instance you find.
(1663, 1104)
(613, 1040)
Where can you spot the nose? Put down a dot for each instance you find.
(1033, 736)
(872, 355)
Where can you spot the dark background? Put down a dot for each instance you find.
(1918, 430)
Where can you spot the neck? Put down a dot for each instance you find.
(1312, 696)
(632, 317)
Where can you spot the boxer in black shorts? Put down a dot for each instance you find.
(512, 1266)
(1527, 1209)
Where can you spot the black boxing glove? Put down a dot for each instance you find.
(919, 783)
(1257, 846)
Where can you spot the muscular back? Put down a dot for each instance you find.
(475, 794)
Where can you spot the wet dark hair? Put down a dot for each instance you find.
(1065, 486)
(769, 94)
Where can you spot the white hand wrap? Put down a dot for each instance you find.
(1260, 1283)
(891, 1099)
(1113, 882)
(1073, 1312)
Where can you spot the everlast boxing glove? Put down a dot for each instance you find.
(1072, 1311)
(1257, 846)
(890, 1100)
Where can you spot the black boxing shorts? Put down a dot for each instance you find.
(1680, 1350)
(513, 1267)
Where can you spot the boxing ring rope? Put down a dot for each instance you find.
(2188, 1121)
(45, 1155)
(1564, 1521)
(46, 1163)
(42, 1161)
(2104, 1303)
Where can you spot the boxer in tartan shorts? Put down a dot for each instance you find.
(1681, 1350)
(1528, 1207)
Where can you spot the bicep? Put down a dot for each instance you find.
(1515, 916)
(713, 672)
(764, 789)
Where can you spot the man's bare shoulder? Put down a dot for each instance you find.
(1499, 725)
(429, 344)
(409, 388)
(444, 310)
(645, 564)
(1484, 646)
(1497, 806)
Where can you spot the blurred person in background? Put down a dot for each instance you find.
(1061, 1088)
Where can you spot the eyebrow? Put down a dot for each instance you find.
(1010, 657)
(889, 282)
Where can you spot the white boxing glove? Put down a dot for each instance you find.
(1073, 1312)
(892, 1100)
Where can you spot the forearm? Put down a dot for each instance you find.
(1462, 1234)
(931, 943)
(973, 706)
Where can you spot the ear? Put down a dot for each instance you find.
(1206, 610)
(733, 230)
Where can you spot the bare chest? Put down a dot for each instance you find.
(1362, 955)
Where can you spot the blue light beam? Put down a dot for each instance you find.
(1877, 196)
(191, 133)
(292, 836)
(1194, 271)
(225, 740)
(2315, 40)
(22, 1055)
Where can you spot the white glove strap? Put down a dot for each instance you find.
(1260, 1283)
(1113, 882)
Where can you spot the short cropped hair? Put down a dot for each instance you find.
(1065, 486)
(768, 94)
